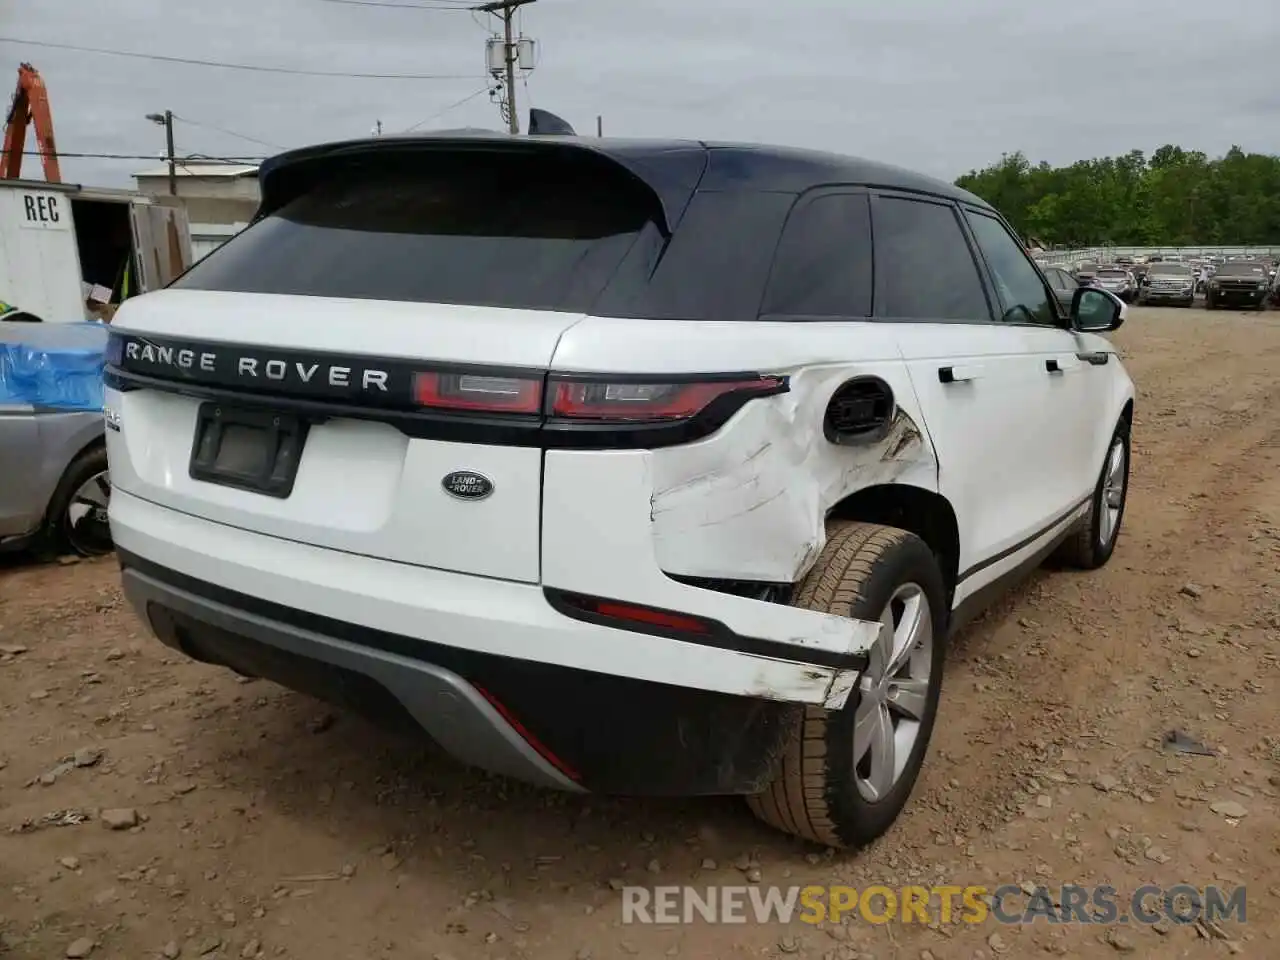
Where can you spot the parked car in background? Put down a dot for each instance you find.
(1063, 284)
(1085, 271)
(1117, 280)
(54, 488)
(1239, 283)
(1168, 282)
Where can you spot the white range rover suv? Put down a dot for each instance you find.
(638, 467)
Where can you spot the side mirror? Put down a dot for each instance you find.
(1094, 310)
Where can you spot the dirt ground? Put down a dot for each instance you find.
(268, 826)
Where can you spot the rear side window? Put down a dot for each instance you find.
(924, 268)
(540, 233)
(713, 268)
(823, 264)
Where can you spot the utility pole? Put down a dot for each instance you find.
(511, 52)
(599, 125)
(166, 120)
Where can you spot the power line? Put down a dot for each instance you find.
(142, 156)
(437, 5)
(238, 66)
(229, 133)
(453, 106)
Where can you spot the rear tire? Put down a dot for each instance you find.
(77, 517)
(833, 788)
(1094, 540)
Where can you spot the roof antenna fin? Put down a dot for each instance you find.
(545, 123)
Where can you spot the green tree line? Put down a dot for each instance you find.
(1174, 198)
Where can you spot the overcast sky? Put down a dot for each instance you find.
(941, 86)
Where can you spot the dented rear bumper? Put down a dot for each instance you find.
(794, 656)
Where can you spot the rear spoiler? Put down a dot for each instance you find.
(670, 171)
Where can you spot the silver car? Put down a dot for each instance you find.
(1168, 282)
(54, 488)
(1117, 280)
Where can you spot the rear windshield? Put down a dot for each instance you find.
(540, 233)
(1112, 273)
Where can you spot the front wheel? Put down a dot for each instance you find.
(1093, 542)
(847, 774)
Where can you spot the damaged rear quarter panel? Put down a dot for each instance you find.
(750, 502)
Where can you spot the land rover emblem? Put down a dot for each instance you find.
(466, 485)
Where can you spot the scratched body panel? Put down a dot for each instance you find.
(750, 502)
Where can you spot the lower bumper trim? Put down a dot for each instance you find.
(442, 703)
(543, 723)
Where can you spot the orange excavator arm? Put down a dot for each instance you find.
(30, 107)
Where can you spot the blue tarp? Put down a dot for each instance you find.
(56, 365)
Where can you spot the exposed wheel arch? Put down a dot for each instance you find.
(926, 514)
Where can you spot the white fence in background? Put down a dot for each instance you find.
(207, 237)
(1109, 254)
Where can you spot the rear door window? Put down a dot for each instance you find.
(924, 267)
(543, 234)
(823, 264)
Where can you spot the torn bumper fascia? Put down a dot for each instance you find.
(843, 680)
(617, 531)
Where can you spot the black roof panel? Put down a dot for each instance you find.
(792, 170)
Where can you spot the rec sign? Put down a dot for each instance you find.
(42, 211)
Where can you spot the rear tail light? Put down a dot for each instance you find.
(465, 391)
(582, 399)
(649, 401)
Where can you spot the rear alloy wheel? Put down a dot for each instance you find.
(847, 774)
(1092, 544)
(78, 512)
